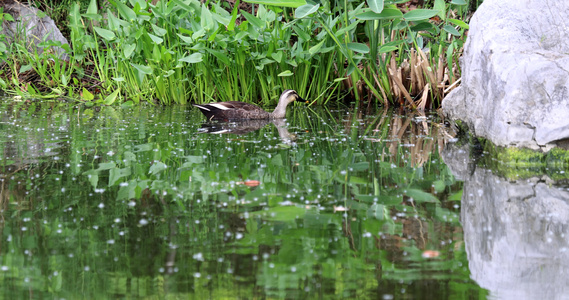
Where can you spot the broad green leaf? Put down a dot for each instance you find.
(305, 10)
(114, 22)
(128, 50)
(155, 39)
(220, 55)
(184, 6)
(385, 49)
(139, 4)
(375, 5)
(95, 17)
(206, 19)
(25, 68)
(279, 3)
(302, 35)
(423, 26)
(128, 103)
(439, 186)
(378, 211)
(441, 7)
(348, 28)
(421, 196)
(258, 23)
(458, 2)
(105, 33)
(456, 196)
(314, 49)
(386, 14)
(186, 39)
(86, 95)
(451, 30)
(285, 73)
(93, 179)
(92, 9)
(110, 99)
(192, 59)
(278, 56)
(159, 31)
(420, 14)
(75, 17)
(281, 213)
(157, 167)
(231, 26)
(358, 47)
(460, 23)
(116, 174)
(360, 166)
(126, 12)
(142, 69)
(106, 166)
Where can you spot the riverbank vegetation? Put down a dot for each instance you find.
(383, 52)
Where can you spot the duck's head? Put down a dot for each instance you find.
(289, 96)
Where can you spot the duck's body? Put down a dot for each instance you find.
(235, 110)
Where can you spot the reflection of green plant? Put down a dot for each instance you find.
(134, 200)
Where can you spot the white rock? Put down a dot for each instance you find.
(515, 74)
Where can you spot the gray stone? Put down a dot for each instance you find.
(515, 78)
(32, 29)
(516, 232)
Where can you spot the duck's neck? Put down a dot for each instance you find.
(280, 111)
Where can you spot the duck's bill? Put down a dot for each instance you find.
(302, 100)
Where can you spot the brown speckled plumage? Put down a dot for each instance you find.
(235, 110)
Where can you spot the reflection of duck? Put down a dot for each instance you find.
(234, 110)
(246, 126)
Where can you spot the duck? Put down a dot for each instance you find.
(235, 110)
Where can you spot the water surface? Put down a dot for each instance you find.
(145, 203)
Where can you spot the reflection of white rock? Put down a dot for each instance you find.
(516, 233)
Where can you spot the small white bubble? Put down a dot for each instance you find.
(198, 256)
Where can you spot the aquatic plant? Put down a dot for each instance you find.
(184, 50)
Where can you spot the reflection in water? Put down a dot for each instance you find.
(515, 231)
(246, 126)
(135, 203)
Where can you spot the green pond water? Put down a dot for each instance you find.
(144, 203)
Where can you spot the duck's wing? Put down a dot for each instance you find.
(231, 110)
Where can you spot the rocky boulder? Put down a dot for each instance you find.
(515, 74)
(32, 26)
